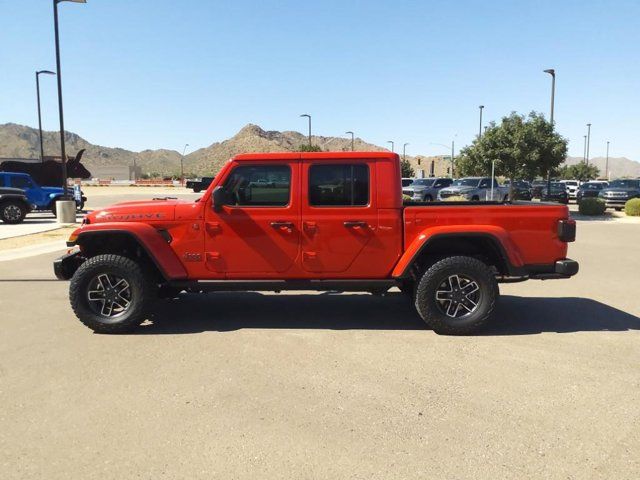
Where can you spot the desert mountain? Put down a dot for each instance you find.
(22, 141)
(619, 167)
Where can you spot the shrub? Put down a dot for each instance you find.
(406, 198)
(591, 206)
(632, 207)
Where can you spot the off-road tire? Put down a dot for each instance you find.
(429, 308)
(142, 292)
(12, 211)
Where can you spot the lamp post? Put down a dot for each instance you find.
(584, 152)
(38, 73)
(63, 151)
(392, 144)
(606, 165)
(551, 72)
(588, 141)
(404, 152)
(182, 164)
(481, 107)
(309, 117)
(352, 139)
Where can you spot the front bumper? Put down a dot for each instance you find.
(65, 266)
(615, 202)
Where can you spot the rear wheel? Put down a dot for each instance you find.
(456, 295)
(110, 294)
(12, 211)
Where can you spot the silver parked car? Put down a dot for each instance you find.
(426, 189)
(475, 189)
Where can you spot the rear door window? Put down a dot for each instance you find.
(339, 185)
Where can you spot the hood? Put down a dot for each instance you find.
(619, 190)
(52, 190)
(140, 211)
(458, 189)
(415, 188)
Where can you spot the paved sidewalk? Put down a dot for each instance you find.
(36, 222)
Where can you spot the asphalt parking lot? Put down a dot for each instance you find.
(309, 385)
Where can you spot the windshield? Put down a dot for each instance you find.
(624, 184)
(466, 182)
(423, 182)
(591, 186)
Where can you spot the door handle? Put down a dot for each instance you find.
(355, 224)
(282, 224)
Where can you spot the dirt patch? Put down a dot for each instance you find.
(61, 233)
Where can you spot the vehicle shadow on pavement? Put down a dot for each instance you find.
(529, 315)
(193, 313)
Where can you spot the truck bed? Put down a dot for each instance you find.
(531, 228)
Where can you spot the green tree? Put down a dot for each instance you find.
(580, 171)
(522, 147)
(406, 169)
(309, 148)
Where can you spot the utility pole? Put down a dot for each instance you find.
(404, 152)
(392, 145)
(481, 107)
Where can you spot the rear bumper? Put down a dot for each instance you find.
(565, 268)
(65, 266)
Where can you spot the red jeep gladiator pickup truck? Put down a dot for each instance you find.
(312, 221)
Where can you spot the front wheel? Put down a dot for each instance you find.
(456, 295)
(12, 211)
(110, 294)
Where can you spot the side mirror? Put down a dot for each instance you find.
(219, 198)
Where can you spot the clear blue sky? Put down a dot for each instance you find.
(159, 74)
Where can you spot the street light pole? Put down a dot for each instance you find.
(38, 73)
(352, 139)
(584, 152)
(551, 72)
(588, 141)
(452, 145)
(404, 152)
(392, 145)
(309, 117)
(182, 164)
(481, 107)
(63, 151)
(606, 165)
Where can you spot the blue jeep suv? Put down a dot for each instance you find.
(44, 198)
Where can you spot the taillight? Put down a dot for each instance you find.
(567, 230)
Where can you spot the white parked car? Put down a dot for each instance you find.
(572, 187)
